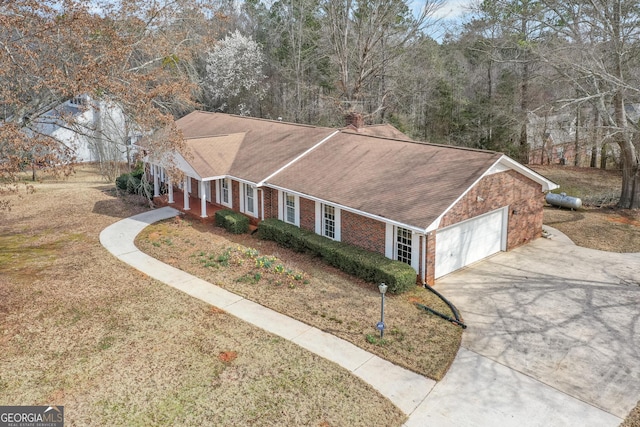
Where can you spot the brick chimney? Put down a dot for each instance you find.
(354, 119)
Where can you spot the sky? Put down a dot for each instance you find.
(453, 9)
(449, 16)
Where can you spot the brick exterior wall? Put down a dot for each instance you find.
(362, 231)
(212, 184)
(307, 214)
(523, 196)
(270, 202)
(431, 260)
(235, 195)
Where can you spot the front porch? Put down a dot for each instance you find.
(195, 209)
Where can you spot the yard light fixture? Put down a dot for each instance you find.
(380, 326)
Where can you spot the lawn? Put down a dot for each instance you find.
(81, 329)
(599, 225)
(303, 287)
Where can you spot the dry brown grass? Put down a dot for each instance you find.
(312, 292)
(79, 328)
(599, 225)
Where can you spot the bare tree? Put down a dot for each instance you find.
(366, 38)
(131, 52)
(595, 48)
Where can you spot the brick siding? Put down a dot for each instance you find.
(523, 196)
(361, 231)
(307, 214)
(235, 195)
(431, 259)
(270, 202)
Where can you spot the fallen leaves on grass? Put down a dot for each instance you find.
(227, 356)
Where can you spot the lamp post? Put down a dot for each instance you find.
(383, 290)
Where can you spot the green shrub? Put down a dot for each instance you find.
(367, 265)
(121, 181)
(233, 222)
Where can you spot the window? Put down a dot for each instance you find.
(403, 245)
(224, 192)
(329, 221)
(290, 208)
(249, 199)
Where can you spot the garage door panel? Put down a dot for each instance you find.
(468, 242)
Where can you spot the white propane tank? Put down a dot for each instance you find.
(563, 200)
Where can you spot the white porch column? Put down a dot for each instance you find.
(203, 200)
(185, 189)
(170, 185)
(156, 181)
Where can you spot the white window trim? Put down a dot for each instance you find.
(219, 199)
(320, 220)
(390, 246)
(243, 199)
(282, 211)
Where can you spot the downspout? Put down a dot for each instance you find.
(453, 308)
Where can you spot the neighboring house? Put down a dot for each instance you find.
(437, 208)
(559, 138)
(94, 130)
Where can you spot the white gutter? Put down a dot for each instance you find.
(261, 183)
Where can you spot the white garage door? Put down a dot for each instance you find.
(469, 241)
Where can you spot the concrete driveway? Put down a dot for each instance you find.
(566, 316)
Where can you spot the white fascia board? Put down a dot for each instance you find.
(498, 166)
(261, 183)
(242, 181)
(547, 185)
(347, 208)
(177, 160)
(182, 164)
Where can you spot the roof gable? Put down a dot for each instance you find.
(266, 145)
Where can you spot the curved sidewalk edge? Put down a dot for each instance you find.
(405, 389)
(557, 235)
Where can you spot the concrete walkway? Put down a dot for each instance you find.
(475, 392)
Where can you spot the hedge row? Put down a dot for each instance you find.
(367, 265)
(233, 222)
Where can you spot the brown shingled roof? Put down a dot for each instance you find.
(214, 155)
(266, 147)
(408, 182)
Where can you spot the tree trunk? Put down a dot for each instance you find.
(630, 193)
(604, 155)
(595, 134)
(576, 160)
